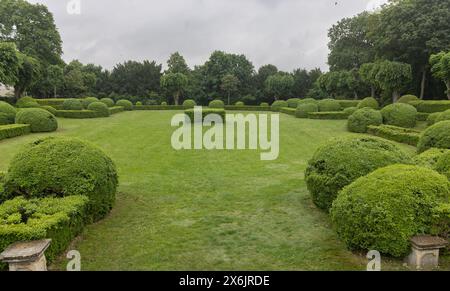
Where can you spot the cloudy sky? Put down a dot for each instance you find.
(286, 33)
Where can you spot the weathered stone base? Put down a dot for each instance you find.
(39, 265)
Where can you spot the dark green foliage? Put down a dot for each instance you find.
(436, 136)
(304, 109)
(58, 219)
(443, 116)
(443, 164)
(50, 109)
(4, 119)
(329, 105)
(337, 115)
(277, 105)
(216, 104)
(383, 210)
(9, 111)
(72, 104)
(400, 114)
(206, 112)
(431, 106)
(88, 100)
(339, 162)
(59, 167)
(50, 102)
(188, 104)
(101, 108)
(27, 102)
(78, 114)
(363, 118)
(408, 98)
(40, 120)
(107, 101)
(127, 105)
(395, 133)
(432, 118)
(369, 102)
(293, 102)
(13, 130)
(429, 158)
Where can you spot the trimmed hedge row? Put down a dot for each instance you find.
(247, 108)
(116, 109)
(77, 114)
(13, 130)
(59, 219)
(349, 103)
(421, 116)
(159, 107)
(335, 115)
(50, 102)
(395, 133)
(206, 112)
(431, 106)
(289, 111)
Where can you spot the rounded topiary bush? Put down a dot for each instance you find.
(139, 103)
(164, 103)
(304, 109)
(265, 104)
(59, 167)
(88, 100)
(435, 136)
(429, 158)
(329, 105)
(50, 109)
(40, 120)
(8, 110)
(107, 101)
(126, 104)
(432, 118)
(72, 104)
(341, 161)
(400, 114)
(216, 104)
(369, 102)
(308, 100)
(4, 119)
(443, 116)
(240, 104)
(443, 164)
(350, 110)
(189, 103)
(363, 118)
(384, 209)
(100, 107)
(277, 105)
(408, 98)
(27, 102)
(293, 102)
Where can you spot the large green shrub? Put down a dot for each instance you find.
(101, 108)
(107, 101)
(369, 102)
(432, 118)
(436, 136)
(217, 104)
(126, 104)
(9, 111)
(431, 106)
(341, 161)
(27, 102)
(408, 98)
(304, 109)
(205, 112)
(59, 167)
(50, 109)
(384, 209)
(350, 110)
(429, 158)
(308, 100)
(293, 102)
(443, 164)
(4, 119)
(277, 105)
(72, 104)
(329, 105)
(363, 118)
(189, 103)
(88, 100)
(40, 120)
(443, 116)
(400, 114)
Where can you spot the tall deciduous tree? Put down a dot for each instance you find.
(177, 64)
(440, 67)
(230, 85)
(279, 85)
(368, 73)
(175, 84)
(29, 71)
(9, 63)
(55, 78)
(394, 77)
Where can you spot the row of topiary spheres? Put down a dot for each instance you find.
(53, 188)
(379, 196)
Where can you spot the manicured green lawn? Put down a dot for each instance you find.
(206, 210)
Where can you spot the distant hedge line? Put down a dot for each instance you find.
(431, 106)
(333, 115)
(395, 133)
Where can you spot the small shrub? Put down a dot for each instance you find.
(265, 104)
(107, 101)
(88, 100)
(205, 112)
(101, 108)
(436, 136)
(126, 104)
(277, 105)
(293, 102)
(164, 103)
(40, 120)
(341, 161)
(240, 104)
(400, 114)
(27, 102)
(432, 118)
(369, 102)
(139, 103)
(384, 209)
(303, 110)
(50, 109)
(188, 104)
(216, 104)
(408, 98)
(9, 111)
(329, 105)
(443, 116)
(59, 167)
(72, 104)
(363, 118)
(443, 164)
(429, 158)
(151, 102)
(350, 110)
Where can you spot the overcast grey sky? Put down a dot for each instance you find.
(287, 33)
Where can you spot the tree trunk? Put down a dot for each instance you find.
(176, 98)
(423, 83)
(372, 89)
(395, 96)
(448, 89)
(54, 91)
(17, 93)
(229, 98)
(356, 95)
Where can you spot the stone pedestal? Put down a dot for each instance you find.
(26, 256)
(425, 251)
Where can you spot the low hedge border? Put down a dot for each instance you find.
(289, 111)
(159, 107)
(431, 106)
(13, 130)
(395, 133)
(77, 114)
(205, 112)
(51, 102)
(333, 115)
(349, 103)
(247, 108)
(59, 219)
(422, 116)
(116, 109)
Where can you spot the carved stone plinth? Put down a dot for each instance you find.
(425, 251)
(26, 256)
